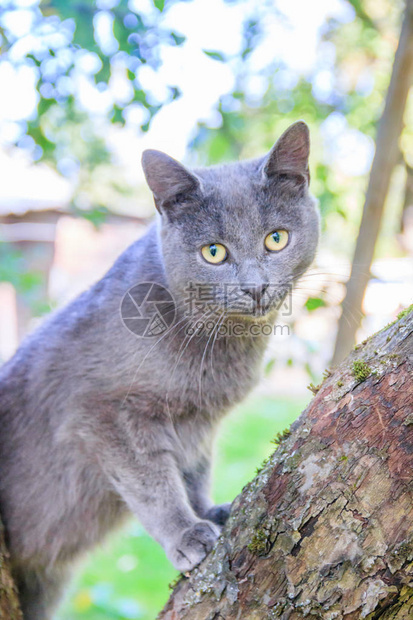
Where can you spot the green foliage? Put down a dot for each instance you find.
(313, 303)
(269, 367)
(261, 467)
(15, 269)
(215, 55)
(97, 215)
(405, 312)
(363, 49)
(281, 436)
(160, 4)
(259, 542)
(360, 370)
(30, 284)
(62, 33)
(313, 388)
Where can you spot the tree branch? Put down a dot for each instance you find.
(385, 159)
(9, 602)
(325, 530)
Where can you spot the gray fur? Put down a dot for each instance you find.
(97, 423)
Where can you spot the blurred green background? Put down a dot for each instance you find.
(87, 85)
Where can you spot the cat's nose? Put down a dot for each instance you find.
(256, 292)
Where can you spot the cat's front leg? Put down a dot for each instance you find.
(197, 484)
(39, 591)
(144, 471)
(219, 514)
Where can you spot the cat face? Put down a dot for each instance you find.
(235, 237)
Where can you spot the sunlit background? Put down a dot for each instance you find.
(86, 86)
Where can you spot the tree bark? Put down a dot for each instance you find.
(325, 530)
(384, 161)
(9, 602)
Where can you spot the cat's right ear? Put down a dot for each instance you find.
(289, 156)
(167, 178)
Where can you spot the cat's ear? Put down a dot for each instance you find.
(289, 155)
(166, 177)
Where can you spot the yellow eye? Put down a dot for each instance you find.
(214, 253)
(276, 241)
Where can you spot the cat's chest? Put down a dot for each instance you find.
(213, 375)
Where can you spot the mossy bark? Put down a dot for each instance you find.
(9, 602)
(325, 530)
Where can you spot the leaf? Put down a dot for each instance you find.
(41, 140)
(153, 109)
(117, 116)
(44, 105)
(34, 59)
(140, 96)
(246, 52)
(178, 38)
(269, 367)
(215, 55)
(84, 33)
(97, 215)
(175, 92)
(103, 74)
(160, 4)
(313, 303)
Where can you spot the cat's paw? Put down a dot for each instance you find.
(219, 514)
(195, 543)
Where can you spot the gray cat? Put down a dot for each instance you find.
(97, 422)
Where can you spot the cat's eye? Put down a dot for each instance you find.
(276, 241)
(214, 253)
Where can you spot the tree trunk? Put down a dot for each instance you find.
(385, 159)
(9, 602)
(408, 197)
(325, 530)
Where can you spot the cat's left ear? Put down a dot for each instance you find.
(167, 178)
(289, 155)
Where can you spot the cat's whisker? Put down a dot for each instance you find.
(329, 277)
(183, 348)
(225, 314)
(214, 332)
(305, 293)
(345, 274)
(188, 325)
(335, 298)
(202, 363)
(146, 356)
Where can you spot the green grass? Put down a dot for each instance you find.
(128, 576)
